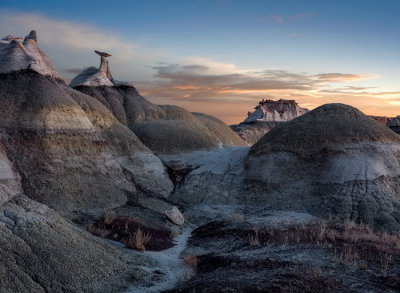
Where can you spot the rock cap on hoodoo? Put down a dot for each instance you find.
(330, 125)
(93, 77)
(16, 54)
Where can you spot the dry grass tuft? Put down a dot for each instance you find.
(109, 217)
(316, 272)
(138, 240)
(253, 240)
(237, 217)
(98, 231)
(190, 261)
(385, 260)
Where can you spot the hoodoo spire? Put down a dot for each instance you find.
(92, 76)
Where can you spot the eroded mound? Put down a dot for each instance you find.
(330, 125)
(164, 128)
(332, 160)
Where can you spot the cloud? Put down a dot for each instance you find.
(71, 44)
(74, 71)
(70, 34)
(275, 18)
(198, 80)
(301, 16)
(343, 77)
(279, 19)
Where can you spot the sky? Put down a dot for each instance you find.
(221, 57)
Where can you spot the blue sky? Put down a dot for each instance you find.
(264, 48)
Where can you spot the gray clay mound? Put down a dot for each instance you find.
(184, 131)
(333, 160)
(328, 125)
(164, 128)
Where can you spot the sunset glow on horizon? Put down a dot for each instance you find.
(221, 57)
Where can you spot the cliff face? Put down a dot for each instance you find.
(267, 115)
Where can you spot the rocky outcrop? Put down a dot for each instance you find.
(164, 129)
(332, 160)
(16, 54)
(394, 124)
(267, 115)
(275, 111)
(71, 152)
(42, 252)
(253, 132)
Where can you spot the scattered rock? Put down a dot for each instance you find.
(175, 216)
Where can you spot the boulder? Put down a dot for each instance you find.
(175, 216)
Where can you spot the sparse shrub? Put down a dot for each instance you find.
(253, 240)
(109, 217)
(190, 261)
(349, 224)
(316, 272)
(98, 231)
(138, 240)
(363, 265)
(237, 217)
(385, 260)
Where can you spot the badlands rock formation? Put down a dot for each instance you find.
(267, 115)
(42, 252)
(16, 54)
(64, 149)
(161, 128)
(51, 131)
(332, 160)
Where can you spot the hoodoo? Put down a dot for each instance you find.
(62, 155)
(63, 130)
(163, 128)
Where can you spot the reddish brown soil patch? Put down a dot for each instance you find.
(120, 228)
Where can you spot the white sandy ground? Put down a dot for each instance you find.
(169, 262)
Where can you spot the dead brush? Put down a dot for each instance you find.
(98, 230)
(138, 240)
(253, 239)
(316, 272)
(190, 261)
(349, 224)
(385, 260)
(348, 257)
(322, 231)
(237, 217)
(109, 217)
(128, 221)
